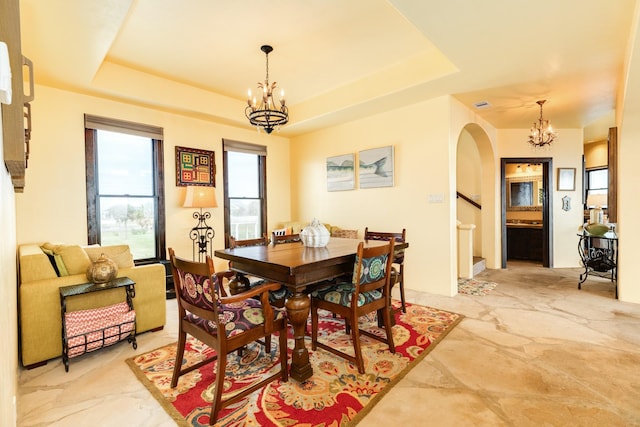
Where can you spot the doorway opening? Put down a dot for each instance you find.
(526, 208)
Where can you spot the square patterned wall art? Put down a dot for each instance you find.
(195, 167)
(376, 167)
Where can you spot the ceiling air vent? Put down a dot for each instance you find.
(482, 104)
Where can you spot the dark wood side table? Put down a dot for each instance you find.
(113, 328)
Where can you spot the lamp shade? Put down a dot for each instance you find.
(200, 197)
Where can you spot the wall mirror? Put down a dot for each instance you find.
(524, 193)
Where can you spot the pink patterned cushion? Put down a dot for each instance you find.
(89, 330)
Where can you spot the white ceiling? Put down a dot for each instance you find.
(338, 60)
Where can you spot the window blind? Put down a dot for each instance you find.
(122, 126)
(243, 147)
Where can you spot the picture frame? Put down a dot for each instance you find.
(375, 167)
(341, 172)
(566, 179)
(195, 166)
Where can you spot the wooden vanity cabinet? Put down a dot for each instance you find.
(524, 243)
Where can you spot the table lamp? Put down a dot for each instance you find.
(202, 234)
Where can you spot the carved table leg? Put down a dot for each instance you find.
(298, 311)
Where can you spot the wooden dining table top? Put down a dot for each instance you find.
(296, 265)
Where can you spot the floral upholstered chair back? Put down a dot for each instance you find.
(198, 289)
(370, 271)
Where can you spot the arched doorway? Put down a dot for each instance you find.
(477, 174)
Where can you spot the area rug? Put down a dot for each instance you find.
(475, 287)
(336, 394)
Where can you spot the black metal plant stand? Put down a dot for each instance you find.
(599, 255)
(202, 235)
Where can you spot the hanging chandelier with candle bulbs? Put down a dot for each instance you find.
(262, 111)
(542, 133)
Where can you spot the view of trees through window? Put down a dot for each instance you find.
(126, 199)
(245, 204)
(597, 185)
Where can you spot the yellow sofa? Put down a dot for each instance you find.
(39, 297)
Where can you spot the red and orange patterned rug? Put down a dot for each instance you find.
(336, 394)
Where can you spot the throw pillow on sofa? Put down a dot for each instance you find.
(120, 254)
(68, 259)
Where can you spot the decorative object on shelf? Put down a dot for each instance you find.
(597, 229)
(566, 203)
(542, 133)
(315, 235)
(102, 270)
(264, 114)
(566, 179)
(202, 234)
(195, 167)
(595, 202)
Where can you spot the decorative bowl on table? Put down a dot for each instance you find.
(315, 235)
(597, 229)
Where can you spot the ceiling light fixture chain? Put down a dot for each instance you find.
(265, 114)
(542, 133)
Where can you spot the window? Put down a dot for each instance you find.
(125, 190)
(597, 183)
(244, 190)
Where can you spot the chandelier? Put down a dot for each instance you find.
(264, 114)
(541, 133)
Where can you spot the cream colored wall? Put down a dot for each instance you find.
(595, 154)
(484, 135)
(628, 122)
(469, 183)
(8, 298)
(423, 159)
(566, 153)
(53, 205)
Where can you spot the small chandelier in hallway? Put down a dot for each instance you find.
(541, 133)
(264, 114)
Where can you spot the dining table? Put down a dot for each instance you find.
(301, 269)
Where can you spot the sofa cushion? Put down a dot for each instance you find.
(68, 259)
(120, 254)
(348, 234)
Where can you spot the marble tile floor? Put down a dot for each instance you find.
(535, 351)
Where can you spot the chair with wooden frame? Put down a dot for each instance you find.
(286, 238)
(368, 291)
(242, 283)
(204, 310)
(398, 258)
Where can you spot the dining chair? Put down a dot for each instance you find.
(285, 238)
(368, 291)
(242, 282)
(398, 258)
(223, 323)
